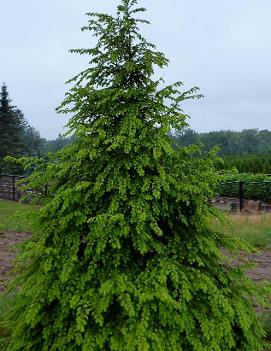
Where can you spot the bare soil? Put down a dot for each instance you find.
(262, 270)
(8, 242)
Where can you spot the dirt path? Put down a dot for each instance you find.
(8, 242)
(263, 269)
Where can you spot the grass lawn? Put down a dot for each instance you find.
(256, 229)
(11, 216)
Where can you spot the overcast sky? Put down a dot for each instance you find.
(223, 47)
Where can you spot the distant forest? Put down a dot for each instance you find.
(248, 151)
(18, 138)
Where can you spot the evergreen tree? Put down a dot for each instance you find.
(123, 258)
(10, 126)
(17, 137)
(186, 137)
(58, 143)
(33, 144)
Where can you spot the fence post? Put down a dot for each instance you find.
(13, 188)
(241, 195)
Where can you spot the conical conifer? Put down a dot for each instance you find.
(123, 257)
(10, 126)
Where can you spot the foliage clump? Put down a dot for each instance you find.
(123, 258)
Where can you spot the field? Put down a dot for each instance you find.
(14, 228)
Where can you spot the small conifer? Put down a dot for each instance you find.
(123, 257)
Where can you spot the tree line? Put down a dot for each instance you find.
(248, 150)
(245, 142)
(18, 137)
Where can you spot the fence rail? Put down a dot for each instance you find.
(246, 190)
(9, 189)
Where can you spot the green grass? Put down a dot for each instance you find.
(12, 216)
(256, 229)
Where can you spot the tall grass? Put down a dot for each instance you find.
(256, 229)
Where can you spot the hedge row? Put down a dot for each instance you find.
(256, 186)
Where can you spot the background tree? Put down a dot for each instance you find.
(186, 136)
(10, 126)
(247, 151)
(57, 144)
(123, 258)
(17, 137)
(246, 142)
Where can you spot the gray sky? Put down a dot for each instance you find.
(224, 47)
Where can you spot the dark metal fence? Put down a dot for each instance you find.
(243, 193)
(235, 193)
(9, 189)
